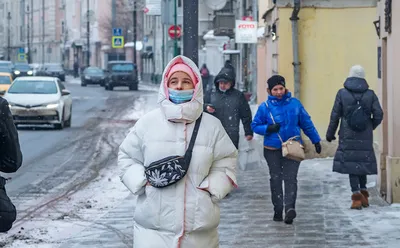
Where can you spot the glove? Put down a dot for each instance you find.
(318, 148)
(274, 128)
(330, 138)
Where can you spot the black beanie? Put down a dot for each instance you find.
(276, 80)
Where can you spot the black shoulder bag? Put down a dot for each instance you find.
(170, 170)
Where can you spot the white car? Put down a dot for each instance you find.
(40, 100)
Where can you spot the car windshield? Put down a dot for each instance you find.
(122, 67)
(5, 69)
(94, 71)
(33, 87)
(5, 64)
(5, 79)
(24, 67)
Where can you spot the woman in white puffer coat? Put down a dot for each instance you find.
(185, 214)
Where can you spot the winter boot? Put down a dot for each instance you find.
(356, 198)
(290, 216)
(278, 216)
(365, 201)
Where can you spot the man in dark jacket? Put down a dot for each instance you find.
(10, 161)
(355, 155)
(230, 106)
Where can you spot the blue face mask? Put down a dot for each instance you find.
(180, 96)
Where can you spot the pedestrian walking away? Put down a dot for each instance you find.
(181, 163)
(230, 106)
(279, 119)
(359, 112)
(10, 161)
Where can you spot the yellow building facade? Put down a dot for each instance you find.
(332, 37)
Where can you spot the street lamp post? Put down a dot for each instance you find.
(175, 26)
(28, 36)
(88, 35)
(9, 37)
(190, 30)
(134, 38)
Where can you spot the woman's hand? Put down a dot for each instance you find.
(210, 109)
(274, 128)
(318, 147)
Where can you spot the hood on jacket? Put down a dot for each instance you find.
(184, 112)
(356, 84)
(227, 74)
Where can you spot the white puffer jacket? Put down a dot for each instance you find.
(184, 214)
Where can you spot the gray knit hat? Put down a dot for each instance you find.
(357, 71)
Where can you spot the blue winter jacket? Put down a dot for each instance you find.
(290, 114)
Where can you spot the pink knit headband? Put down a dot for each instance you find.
(183, 68)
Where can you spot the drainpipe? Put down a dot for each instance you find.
(295, 40)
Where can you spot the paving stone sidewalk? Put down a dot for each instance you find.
(324, 218)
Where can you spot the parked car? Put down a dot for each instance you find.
(92, 75)
(53, 70)
(40, 100)
(5, 82)
(121, 73)
(22, 70)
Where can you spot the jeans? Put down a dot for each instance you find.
(358, 182)
(282, 170)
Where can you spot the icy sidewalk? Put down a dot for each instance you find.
(324, 218)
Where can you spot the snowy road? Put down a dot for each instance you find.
(69, 178)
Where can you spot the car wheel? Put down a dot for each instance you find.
(133, 87)
(68, 122)
(60, 125)
(102, 84)
(83, 84)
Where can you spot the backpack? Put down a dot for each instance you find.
(357, 118)
(8, 213)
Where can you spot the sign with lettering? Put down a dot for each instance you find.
(245, 31)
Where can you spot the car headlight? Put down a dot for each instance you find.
(87, 77)
(30, 72)
(17, 72)
(52, 105)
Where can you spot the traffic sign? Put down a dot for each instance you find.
(117, 31)
(21, 57)
(21, 50)
(118, 42)
(174, 32)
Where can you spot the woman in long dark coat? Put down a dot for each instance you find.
(355, 155)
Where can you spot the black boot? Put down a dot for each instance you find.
(278, 216)
(290, 216)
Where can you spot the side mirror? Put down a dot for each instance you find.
(65, 93)
(2, 92)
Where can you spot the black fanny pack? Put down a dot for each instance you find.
(170, 170)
